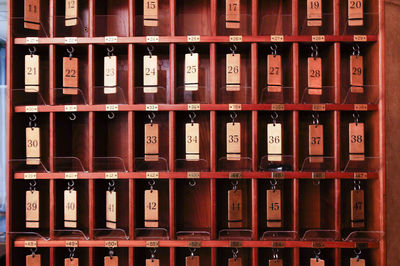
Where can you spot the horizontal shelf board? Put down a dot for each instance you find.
(206, 244)
(201, 107)
(209, 175)
(184, 39)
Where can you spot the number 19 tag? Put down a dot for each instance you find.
(314, 13)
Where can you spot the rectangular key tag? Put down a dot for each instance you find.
(151, 218)
(111, 209)
(356, 74)
(150, 13)
(32, 73)
(32, 209)
(274, 140)
(110, 74)
(357, 208)
(152, 262)
(233, 72)
(357, 262)
(32, 136)
(71, 262)
(234, 262)
(277, 262)
(32, 14)
(150, 73)
(110, 261)
(192, 141)
(274, 210)
(232, 12)
(33, 260)
(70, 75)
(274, 74)
(71, 12)
(315, 262)
(70, 209)
(355, 12)
(314, 13)
(233, 141)
(192, 72)
(314, 76)
(151, 152)
(235, 212)
(316, 143)
(192, 261)
(356, 142)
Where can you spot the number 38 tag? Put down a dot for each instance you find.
(356, 141)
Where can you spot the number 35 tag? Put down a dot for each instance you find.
(233, 141)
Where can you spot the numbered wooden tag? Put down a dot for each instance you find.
(71, 12)
(151, 208)
(32, 145)
(33, 260)
(111, 261)
(32, 73)
(357, 262)
(274, 262)
(274, 210)
(32, 14)
(192, 261)
(234, 262)
(71, 262)
(70, 209)
(152, 262)
(357, 208)
(355, 12)
(314, 13)
(70, 75)
(315, 262)
(192, 72)
(111, 209)
(316, 143)
(150, 13)
(274, 140)
(356, 141)
(232, 14)
(233, 72)
(110, 74)
(150, 74)
(356, 74)
(192, 141)
(32, 209)
(151, 142)
(235, 212)
(233, 141)
(274, 75)
(314, 76)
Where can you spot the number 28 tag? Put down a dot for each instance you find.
(314, 76)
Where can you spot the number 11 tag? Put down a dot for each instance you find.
(32, 73)
(111, 209)
(32, 14)
(110, 74)
(192, 72)
(274, 137)
(356, 141)
(151, 208)
(151, 142)
(235, 217)
(32, 145)
(233, 72)
(32, 209)
(233, 141)
(314, 76)
(34, 260)
(70, 209)
(192, 141)
(150, 74)
(316, 143)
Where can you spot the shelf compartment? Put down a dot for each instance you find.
(275, 17)
(112, 18)
(81, 29)
(193, 17)
(370, 21)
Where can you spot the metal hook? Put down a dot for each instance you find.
(111, 185)
(274, 116)
(235, 253)
(274, 49)
(233, 48)
(150, 50)
(153, 254)
(233, 116)
(192, 183)
(33, 252)
(356, 50)
(357, 251)
(356, 117)
(275, 253)
(316, 182)
(110, 51)
(72, 116)
(151, 183)
(71, 253)
(273, 183)
(32, 120)
(111, 115)
(314, 49)
(192, 116)
(317, 252)
(192, 251)
(151, 117)
(70, 51)
(191, 49)
(111, 252)
(234, 184)
(33, 51)
(357, 184)
(315, 117)
(71, 185)
(32, 185)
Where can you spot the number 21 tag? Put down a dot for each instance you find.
(32, 73)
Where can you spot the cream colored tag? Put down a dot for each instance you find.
(151, 142)
(234, 262)
(70, 209)
(71, 12)
(277, 262)
(232, 14)
(32, 14)
(274, 68)
(33, 260)
(235, 209)
(314, 12)
(274, 210)
(357, 262)
(110, 74)
(356, 141)
(32, 145)
(233, 141)
(150, 13)
(71, 262)
(32, 73)
(151, 208)
(108, 261)
(314, 262)
(192, 261)
(233, 72)
(356, 74)
(152, 262)
(150, 74)
(192, 72)
(32, 209)
(314, 75)
(192, 141)
(70, 75)
(355, 12)
(111, 209)
(357, 209)
(274, 140)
